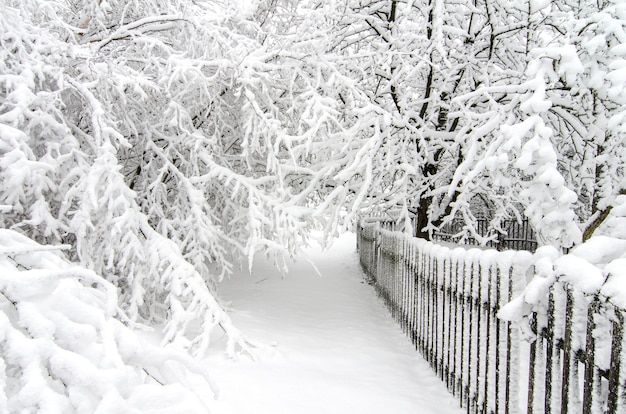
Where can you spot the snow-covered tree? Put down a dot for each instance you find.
(100, 151)
(393, 74)
(599, 35)
(451, 106)
(63, 347)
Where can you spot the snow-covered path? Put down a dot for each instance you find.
(337, 348)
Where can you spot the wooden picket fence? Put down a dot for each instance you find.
(446, 301)
(517, 235)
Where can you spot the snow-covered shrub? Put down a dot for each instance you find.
(63, 348)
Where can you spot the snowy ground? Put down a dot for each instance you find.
(337, 348)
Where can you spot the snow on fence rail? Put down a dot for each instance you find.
(447, 301)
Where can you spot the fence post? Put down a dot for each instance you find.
(462, 300)
(549, 336)
(567, 351)
(487, 310)
(590, 358)
(614, 370)
(448, 316)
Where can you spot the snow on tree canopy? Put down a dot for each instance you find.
(90, 158)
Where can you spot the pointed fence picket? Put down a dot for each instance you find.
(446, 300)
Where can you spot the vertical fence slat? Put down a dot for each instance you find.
(423, 305)
(449, 323)
(589, 359)
(463, 335)
(532, 367)
(614, 370)
(567, 352)
(478, 311)
(498, 328)
(455, 346)
(436, 316)
(549, 340)
(488, 336)
(429, 311)
(509, 347)
(471, 336)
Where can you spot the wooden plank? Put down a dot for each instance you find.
(487, 312)
(614, 370)
(479, 338)
(589, 358)
(531, 374)
(498, 329)
(567, 351)
(449, 324)
(463, 330)
(549, 337)
(455, 312)
(423, 305)
(509, 333)
(470, 301)
(436, 313)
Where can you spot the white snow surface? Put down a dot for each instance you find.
(330, 345)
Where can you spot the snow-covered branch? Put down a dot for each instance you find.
(62, 348)
(138, 27)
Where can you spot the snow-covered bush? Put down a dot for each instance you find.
(64, 349)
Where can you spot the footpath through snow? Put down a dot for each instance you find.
(337, 349)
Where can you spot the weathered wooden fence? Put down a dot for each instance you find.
(447, 300)
(516, 236)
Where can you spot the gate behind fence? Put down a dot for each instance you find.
(446, 301)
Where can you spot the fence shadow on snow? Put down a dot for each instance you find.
(446, 301)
